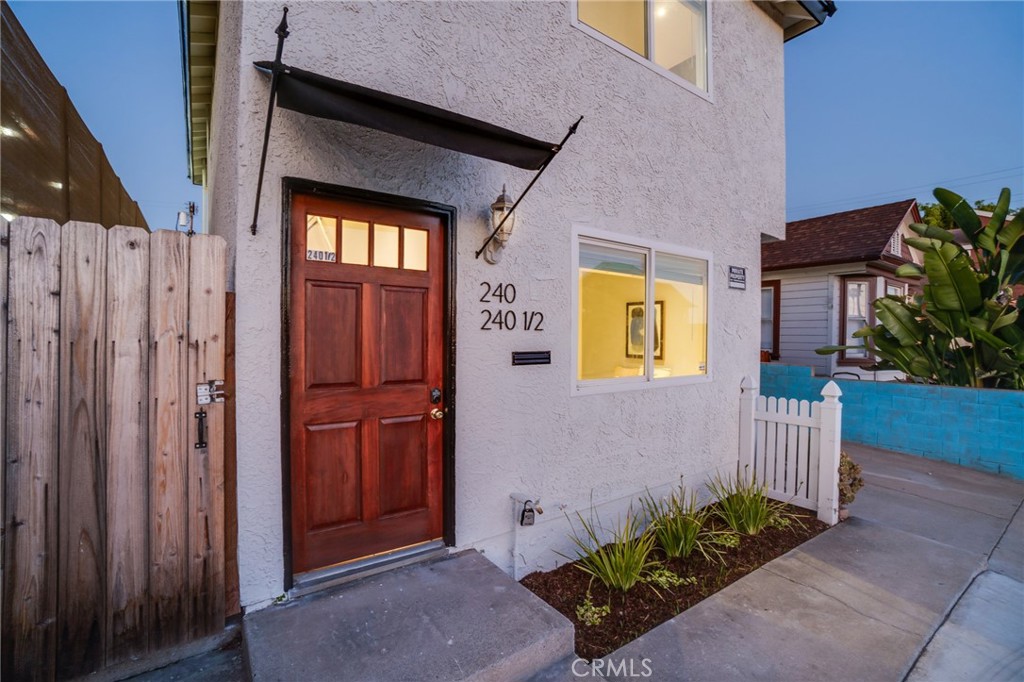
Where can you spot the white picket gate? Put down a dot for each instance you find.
(792, 447)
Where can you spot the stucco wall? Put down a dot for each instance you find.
(650, 159)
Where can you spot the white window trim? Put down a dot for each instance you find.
(648, 247)
(640, 59)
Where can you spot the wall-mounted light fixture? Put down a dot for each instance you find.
(503, 221)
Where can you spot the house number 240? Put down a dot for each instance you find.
(507, 320)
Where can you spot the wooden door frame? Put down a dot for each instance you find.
(448, 216)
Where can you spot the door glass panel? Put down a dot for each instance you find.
(385, 246)
(415, 247)
(355, 242)
(321, 238)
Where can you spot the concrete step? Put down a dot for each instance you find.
(458, 618)
(562, 671)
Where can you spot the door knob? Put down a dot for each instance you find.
(437, 413)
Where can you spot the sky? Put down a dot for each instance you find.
(886, 101)
(121, 65)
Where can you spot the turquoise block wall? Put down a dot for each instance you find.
(978, 428)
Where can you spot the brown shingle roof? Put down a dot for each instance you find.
(847, 237)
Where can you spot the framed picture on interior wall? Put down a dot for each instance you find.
(636, 327)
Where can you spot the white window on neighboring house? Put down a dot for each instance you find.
(670, 35)
(769, 311)
(856, 307)
(641, 313)
(894, 289)
(895, 243)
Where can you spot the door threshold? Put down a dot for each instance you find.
(339, 574)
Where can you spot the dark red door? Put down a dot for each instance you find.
(366, 355)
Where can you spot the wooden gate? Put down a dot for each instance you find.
(113, 514)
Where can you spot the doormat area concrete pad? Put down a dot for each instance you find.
(983, 639)
(855, 603)
(453, 619)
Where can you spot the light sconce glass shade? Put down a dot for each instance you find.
(500, 211)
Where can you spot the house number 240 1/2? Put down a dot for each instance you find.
(507, 320)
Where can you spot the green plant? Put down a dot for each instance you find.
(965, 328)
(588, 614)
(665, 578)
(620, 563)
(743, 505)
(727, 540)
(679, 525)
(850, 480)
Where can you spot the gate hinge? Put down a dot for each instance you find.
(210, 392)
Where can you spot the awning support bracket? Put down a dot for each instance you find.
(282, 33)
(557, 148)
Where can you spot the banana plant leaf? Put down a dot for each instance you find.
(952, 284)
(899, 320)
(962, 212)
(909, 271)
(933, 232)
(1010, 235)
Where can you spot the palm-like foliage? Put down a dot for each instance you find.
(965, 329)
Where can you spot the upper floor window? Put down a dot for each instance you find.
(672, 34)
(641, 314)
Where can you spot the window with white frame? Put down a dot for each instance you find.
(671, 34)
(641, 314)
(855, 317)
(768, 319)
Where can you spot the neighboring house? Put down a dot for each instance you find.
(382, 410)
(817, 285)
(51, 165)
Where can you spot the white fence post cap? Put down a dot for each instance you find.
(748, 382)
(831, 390)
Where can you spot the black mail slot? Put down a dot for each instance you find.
(531, 357)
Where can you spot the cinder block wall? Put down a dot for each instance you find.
(974, 427)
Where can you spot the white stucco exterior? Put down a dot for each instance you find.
(650, 159)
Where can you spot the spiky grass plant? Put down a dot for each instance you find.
(744, 505)
(679, 525)
(618, 564)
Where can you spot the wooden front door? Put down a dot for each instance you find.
(366, 379)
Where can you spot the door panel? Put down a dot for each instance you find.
(366, 341)
(403, 466)
(404, 317)
(333, 338)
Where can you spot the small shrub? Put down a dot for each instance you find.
(744, 506)
(665, 578)
(678, 524)
(727, 540)
(588, 614)
(620, 563)
(850, 480)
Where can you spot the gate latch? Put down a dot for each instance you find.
(210, 392)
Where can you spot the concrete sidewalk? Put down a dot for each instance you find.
(928, 562)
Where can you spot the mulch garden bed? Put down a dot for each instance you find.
(642, 608)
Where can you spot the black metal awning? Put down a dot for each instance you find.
(316, 95)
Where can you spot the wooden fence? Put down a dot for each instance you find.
(113, 516)
(792, 447)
